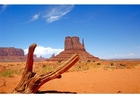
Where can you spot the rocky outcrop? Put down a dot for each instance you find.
(11, 51)
(2, 52)
(11, 54)
(72, 45)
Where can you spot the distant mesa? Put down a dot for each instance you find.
(11, 51)
(72, 45)
(11, 54)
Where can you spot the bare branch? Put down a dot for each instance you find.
(29, 63)
(30, 83)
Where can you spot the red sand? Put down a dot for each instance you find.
(89, 81)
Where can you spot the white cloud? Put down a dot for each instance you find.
(55, 13)
(44, 51)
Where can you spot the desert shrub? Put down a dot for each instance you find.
(79, 66)
(98, 63)
(108, 68)
(18, 64)
(44, 66)
(8, 73)
(111, 64)
(10, 65)
(122, 64)
(129, 67)
(112, 68)
(47, 68)
(87, 62)
(93, 60)
(59, 61)
(76, 68)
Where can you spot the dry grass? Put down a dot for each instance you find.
(121, 75)
(8, 69)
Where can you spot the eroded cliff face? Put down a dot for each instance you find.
(2, 52)
(11, 51)
(11, 54)
(72, 45)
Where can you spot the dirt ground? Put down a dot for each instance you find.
(92, 81)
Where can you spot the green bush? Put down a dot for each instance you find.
(46, 68)
(8, 73)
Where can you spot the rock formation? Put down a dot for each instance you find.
(11, 54)
(11, 51)
(72, 45)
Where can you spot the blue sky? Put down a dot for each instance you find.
(109, 31)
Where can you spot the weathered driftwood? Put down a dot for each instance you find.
(31, 82)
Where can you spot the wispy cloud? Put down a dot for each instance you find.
(55, 13)
(45, 51)
(2, 8)
(129, 55)
(34, 17)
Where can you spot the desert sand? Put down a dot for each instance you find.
(91, 81)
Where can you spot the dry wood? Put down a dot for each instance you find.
(31, 82)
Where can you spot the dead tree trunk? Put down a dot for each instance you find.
(31, 82)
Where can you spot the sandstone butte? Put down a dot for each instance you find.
(72, 45)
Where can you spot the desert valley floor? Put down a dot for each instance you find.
(87, 80)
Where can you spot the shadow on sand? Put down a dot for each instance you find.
(55, 92)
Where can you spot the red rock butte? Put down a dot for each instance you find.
(72, 45)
